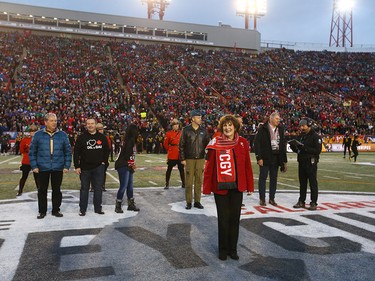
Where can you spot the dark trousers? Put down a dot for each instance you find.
(25, 174)
(95, 178)
(228, 216)
(56, 180)
(308, 172)
(171, 164)
(272, 169)
(346, 147)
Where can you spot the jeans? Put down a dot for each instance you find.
(56, 180)
(95, 177)
(263, 174)
(126, 183)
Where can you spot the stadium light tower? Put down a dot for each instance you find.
(342, 24)
(156, 7)
(251, 8)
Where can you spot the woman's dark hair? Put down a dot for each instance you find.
(131, 132)
(229, 119)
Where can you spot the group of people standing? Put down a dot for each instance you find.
(221, 165)
(348, 144)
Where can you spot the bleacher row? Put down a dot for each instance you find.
(117, 80)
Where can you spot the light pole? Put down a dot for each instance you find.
(156, 7)
(251, 8)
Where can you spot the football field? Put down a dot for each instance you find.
(164, 241)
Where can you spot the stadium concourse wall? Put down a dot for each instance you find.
(130, 28)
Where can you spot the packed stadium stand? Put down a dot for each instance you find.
(122, 81)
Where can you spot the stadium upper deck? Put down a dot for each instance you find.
(59, 20)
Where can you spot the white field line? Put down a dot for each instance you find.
(329, 177)
(354, 174)
(9, 160)
(153, 183)
(113, 177)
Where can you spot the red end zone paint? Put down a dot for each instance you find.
(322, 207)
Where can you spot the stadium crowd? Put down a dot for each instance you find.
(122, 82)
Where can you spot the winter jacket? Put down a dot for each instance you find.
(50, 151)
(244, 171)
(263, 148)
(193, 143)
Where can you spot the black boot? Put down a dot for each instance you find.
(168, 176)
(182, 176)
(118, 208)
(132, 206)
(21, 186)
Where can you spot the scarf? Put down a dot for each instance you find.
(225, 164)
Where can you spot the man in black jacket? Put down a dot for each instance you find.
(91, 153)
(193, 141)
(270, 152)
(308, 149)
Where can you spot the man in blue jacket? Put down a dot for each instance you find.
(50, 156)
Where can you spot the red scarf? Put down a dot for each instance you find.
(225, 164)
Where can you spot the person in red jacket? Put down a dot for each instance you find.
(25, 162)
(228, 173)
(171, 141)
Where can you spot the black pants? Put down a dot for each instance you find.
(346, 147)
(56, 180)
(228, 216)
(308, 172)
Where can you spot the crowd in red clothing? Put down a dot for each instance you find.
(118, 80)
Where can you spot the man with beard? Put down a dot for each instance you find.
(308, 149)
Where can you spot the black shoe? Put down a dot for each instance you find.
(166, 187)
(262, 202)
(82, 213)
(299, 205)
(41, 216)
(242, 205)
(91, 190)
(188, 206)
(100, 212)
(222, 256)
(234, 256)
(19, 193)
(183, 186)
(198, 205)
(103, 189)
(272, 202)
(313, 207)
(57, 214)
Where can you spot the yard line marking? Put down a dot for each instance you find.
(331, 177)
(9, 160)
(348, 176)
(154, 183)
(113, 177)
(355, 174)
(293, 186)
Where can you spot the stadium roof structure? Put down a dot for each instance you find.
(84, 23)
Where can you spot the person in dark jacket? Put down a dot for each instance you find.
(308, 148)
(193, 141)
(355, 143)
(270, 152)
(50, 156)
(91, 153)
(125, 166)
(347, 143)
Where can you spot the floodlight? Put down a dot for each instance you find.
(345, 5)
(252, 7)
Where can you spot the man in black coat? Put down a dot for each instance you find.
(270, 152)
(308, 149)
